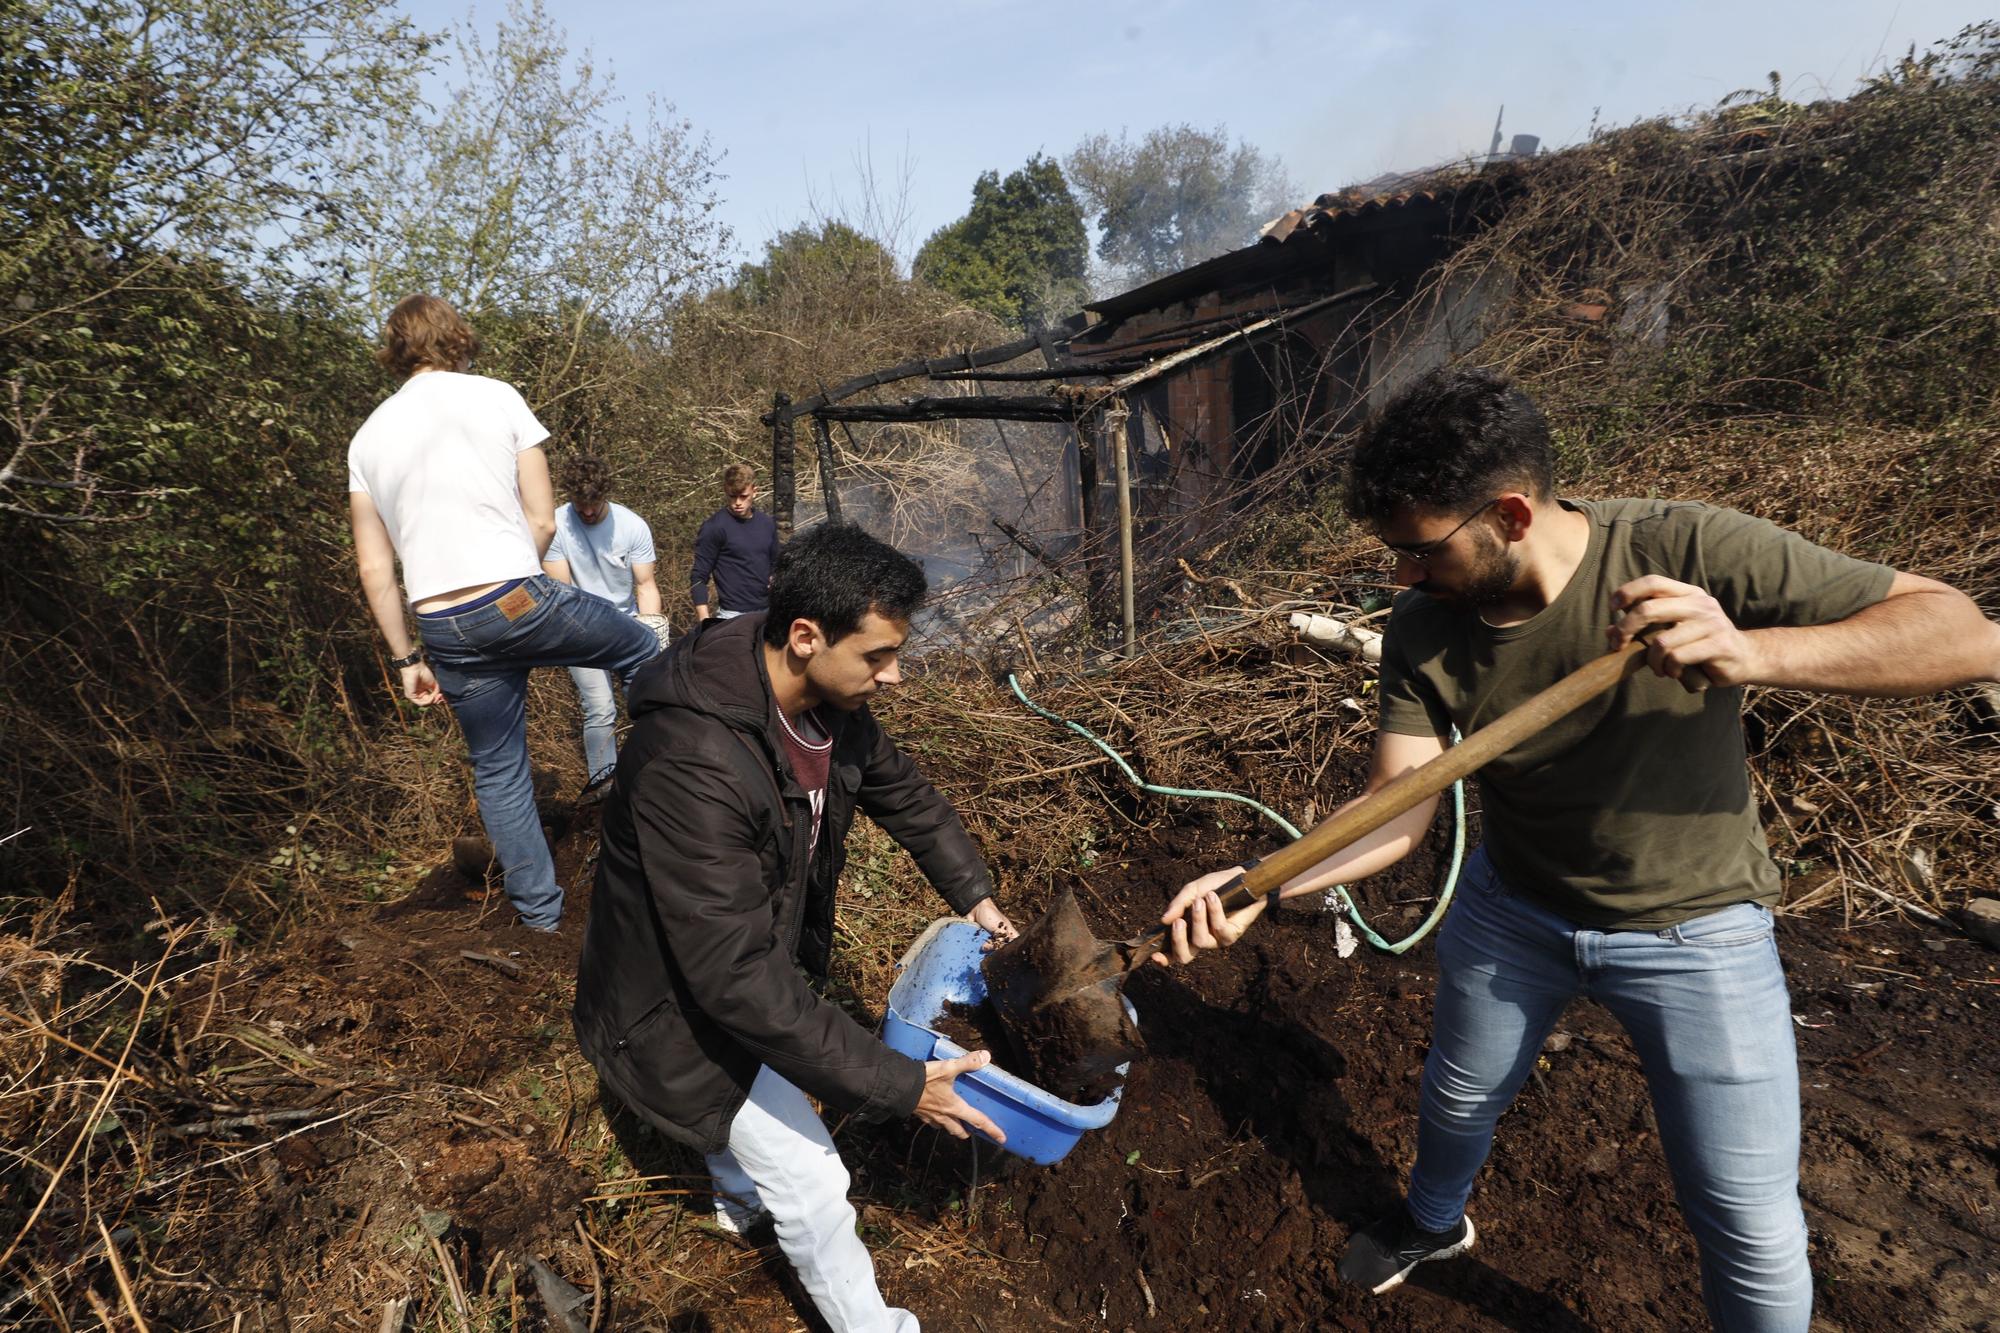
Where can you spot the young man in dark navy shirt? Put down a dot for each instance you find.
(735, 548)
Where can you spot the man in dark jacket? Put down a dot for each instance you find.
(751, 749)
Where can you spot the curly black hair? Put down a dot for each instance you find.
(1447, 444)
(586, 479)
(835, 574)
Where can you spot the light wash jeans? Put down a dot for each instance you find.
(600, 721)
(481, 657)
(781, 1160)
(1705, 1005)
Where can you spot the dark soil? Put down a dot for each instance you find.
(1272, 1115)
(1275, 1112)
(386, 1013)
(1054, 994)
(977, 1028)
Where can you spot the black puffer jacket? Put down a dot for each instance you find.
(708, 927)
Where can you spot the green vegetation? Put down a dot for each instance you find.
(1020, 254)
(1176, 197)
(208, 210)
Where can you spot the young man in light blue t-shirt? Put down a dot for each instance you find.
(606, 550)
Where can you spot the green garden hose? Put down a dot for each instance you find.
(1338, 893)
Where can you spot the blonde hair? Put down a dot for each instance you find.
(737, 478)
(425, 331)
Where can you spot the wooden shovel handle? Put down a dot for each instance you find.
(1419, 784)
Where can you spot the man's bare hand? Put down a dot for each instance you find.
(991, 919)
(1195, 919)
(943, 1107)
(420, 685)
(1699, 645)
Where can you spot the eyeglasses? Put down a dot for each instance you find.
(1422, 554)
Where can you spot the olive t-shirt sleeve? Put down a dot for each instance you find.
(1765, 575)
(1409, 705)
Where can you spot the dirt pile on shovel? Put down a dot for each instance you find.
(1056, 986)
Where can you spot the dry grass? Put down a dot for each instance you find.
(153, 1079)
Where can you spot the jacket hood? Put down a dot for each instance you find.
(717, 669)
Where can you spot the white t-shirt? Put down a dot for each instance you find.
(437, 458)
(601, 554)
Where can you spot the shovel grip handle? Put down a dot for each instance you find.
(1483, 746)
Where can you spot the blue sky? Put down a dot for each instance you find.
(798, 95)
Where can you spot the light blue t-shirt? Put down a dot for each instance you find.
(601, 554)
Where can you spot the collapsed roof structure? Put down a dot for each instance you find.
(1181, 393)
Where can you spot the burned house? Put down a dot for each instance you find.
(1182, 395)
(1297, 335)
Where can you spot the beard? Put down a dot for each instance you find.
(1488, 580)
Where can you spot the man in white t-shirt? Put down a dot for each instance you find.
(606, 550)
(448, 478)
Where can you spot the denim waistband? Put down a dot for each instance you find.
(483, 599)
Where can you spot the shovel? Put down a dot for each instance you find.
(1054, 989)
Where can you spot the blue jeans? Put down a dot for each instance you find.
(600, 720)
(481, 659)
(1706, 1007)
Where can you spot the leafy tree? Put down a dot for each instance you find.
(170, 373)
(1176, 197)
(1021, 253)
(157, 159)
(810, 260)
(527, 202)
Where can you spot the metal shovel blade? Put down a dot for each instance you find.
(1054, 989)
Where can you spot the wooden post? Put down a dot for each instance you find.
(823, 445)
(1086, 476)
(784, 464)
(1095, 583)
(1115, 417)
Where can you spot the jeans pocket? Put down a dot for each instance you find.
(1479, 876)
(1731, 927)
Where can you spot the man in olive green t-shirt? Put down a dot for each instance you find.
(1623, 858)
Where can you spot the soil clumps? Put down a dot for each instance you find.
(1273, 1115)
(1275, 1112)
(1053, 995)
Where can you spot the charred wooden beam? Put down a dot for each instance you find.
(1086, 479)
(1067, 370)
(784, 462)
(1249, 332)
(1175, 337)
(928, 366)
(1034, 408)
(828, 485)
(1116, 435)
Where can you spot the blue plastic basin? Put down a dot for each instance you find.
(941, 968)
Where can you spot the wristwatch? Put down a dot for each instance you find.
(405, 663)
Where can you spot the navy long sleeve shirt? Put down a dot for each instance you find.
(737, 553)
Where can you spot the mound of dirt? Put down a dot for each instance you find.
(1053, 997)
(415, 1020)
(1275, 1114)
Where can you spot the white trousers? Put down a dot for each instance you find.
(781, 1160)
